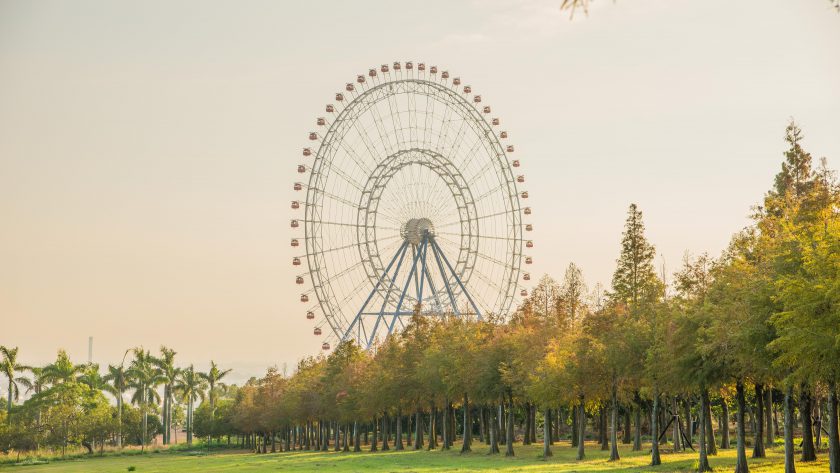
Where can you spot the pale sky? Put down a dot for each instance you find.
(148, 149)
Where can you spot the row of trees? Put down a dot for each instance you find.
(754, 330)
(68, 407)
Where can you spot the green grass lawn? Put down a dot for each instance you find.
(526, 460)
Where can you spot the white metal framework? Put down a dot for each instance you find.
(411, 206)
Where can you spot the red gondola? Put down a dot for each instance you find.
(310, 315)
(433, 70)
(486, 109)
(317, 331)
(360, 79)
(528, 260)
(330, 108)
(529, 227)
(527, 210)
(321, 121)
(515, 163)
(520, 179)
(299, 280)
(510, 148)
(339, 97)
(295, 204)
(325, 346)
(524, 195)
(529, 244)
(477, 99)
(526, 277)
(295, 224)
(298, 186)
(409, 65)
(396, 66)
(445, 74)
(456, 81)
(349, 87)
(372, 72)
(421, 66)
(304, 298)
(313, 136)
(301, 168)
(496, 121)
(307, 151)
(467, 89)
(296, 261)
(523, 293)
(295, 242)
(384, 68)
(503, 134)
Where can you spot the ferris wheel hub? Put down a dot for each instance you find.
(414, 229)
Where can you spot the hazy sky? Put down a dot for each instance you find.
(148, 149)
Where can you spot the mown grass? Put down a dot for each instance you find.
(527, 459)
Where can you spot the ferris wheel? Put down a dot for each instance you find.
(410, 205)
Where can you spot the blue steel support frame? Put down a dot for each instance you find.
(419, 275)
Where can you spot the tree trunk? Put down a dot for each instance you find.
(493, 431)
(509, 429)
(637, 425)
(398, 442)
(581, 454)
(614, 423)
(575, 424)
(467, 444)
(833, 440)
(547, 434)
(418, 432)
(602, 429)
(769, 430)
(357, 446)
(711, 448)
(445, 429)
(703, 464)
(628, 434)
(482, 425)
(374, 444)
(741, 465)
(758, 445)
(790, 466)
(677, 427)
(689, 431)
(386, 432)
(809, 453)
(533, 423)
(655, 459)
(724, 429)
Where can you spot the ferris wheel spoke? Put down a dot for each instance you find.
(354, 245)
(480, 217)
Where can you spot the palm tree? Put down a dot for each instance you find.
(190, 387)
(213, 378)
(118, 377)
(166, 363)
(93, 379)
(62, 370)
(144, 377)
(9, 366)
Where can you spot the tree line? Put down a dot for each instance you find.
(730, 351)
(67, 404)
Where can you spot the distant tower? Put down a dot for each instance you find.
(90, 349)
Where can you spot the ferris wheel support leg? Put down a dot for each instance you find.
(387, 297)
(438, 307)
(423, 272)
(437, 252)
(404, 291)
(460, 283)
(358, 317)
